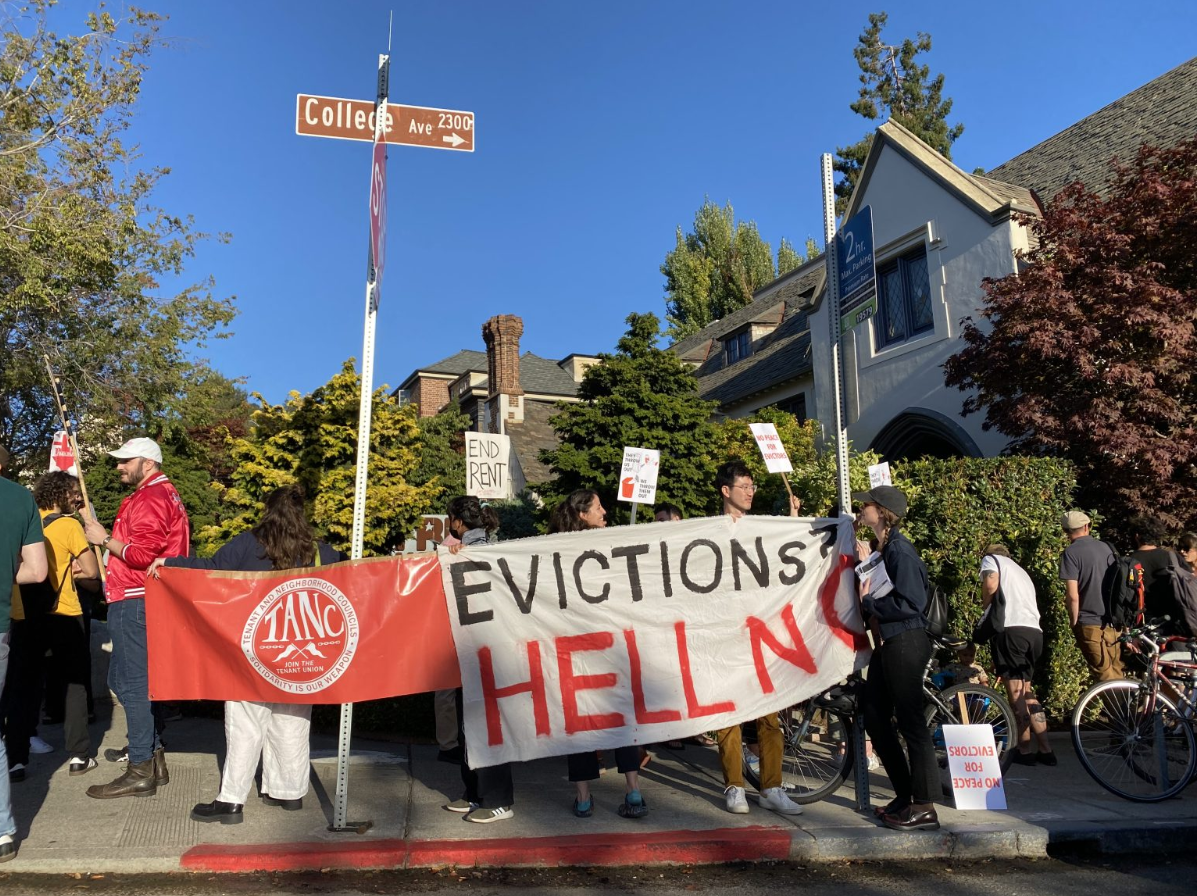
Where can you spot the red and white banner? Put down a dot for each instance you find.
(62, 455)
(642, 634)
(331, 634)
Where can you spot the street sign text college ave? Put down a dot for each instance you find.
(343, 119)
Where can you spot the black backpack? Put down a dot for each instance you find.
(1122, 591)
(936, 612)
(41, 598)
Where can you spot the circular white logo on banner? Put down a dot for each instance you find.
(302, 636)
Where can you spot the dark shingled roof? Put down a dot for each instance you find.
(781, 356)
(532, 436)
(1162, 112)
(539, 375)
(458, 364)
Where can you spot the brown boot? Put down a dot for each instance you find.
(138, 780)
(161, 774)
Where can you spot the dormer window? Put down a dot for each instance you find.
(737, 347)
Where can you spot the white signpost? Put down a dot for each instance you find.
(381, 123)
(974, 766)
(488, 466)
(638, 476)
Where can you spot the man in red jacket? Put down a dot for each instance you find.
(150, 523)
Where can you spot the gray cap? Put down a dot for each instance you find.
(1074, 519)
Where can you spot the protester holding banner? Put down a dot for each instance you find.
(489, 792)
(150, 523)
(734, 483)
(580, 511)
(894, 689)
(275, 733)
(47, 617)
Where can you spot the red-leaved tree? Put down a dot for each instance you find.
(1088, 352)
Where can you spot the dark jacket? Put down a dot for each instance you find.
(244, 553)
(906, 605)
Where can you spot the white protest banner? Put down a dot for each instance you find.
(879, 474)
(62, 456)
(641, 634)
(638, 477)
(975, 768)
(488, 465)
(772, 450)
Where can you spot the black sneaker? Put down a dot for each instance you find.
(1021, 758)
(113, 755)
(1048, 758)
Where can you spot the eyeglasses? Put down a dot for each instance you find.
(748, 488)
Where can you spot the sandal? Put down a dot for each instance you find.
(628, 809)
(584, 810)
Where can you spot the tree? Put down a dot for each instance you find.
(715, 269)
(1089, 352)
(82, 246)
(312, 440)
(441, 470)
(894, 85)
(734, 439)
(641, 396)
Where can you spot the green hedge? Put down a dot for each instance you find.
(959, 506)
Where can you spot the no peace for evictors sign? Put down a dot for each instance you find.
(641, 634)
(331, 634)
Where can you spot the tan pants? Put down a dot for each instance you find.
(731, 753)
(1101, 650)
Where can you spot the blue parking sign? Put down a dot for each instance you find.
(856, 272)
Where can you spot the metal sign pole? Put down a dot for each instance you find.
(365, 410)
(843, 485)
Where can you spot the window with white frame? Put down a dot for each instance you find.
(737, 347)
(903, 299)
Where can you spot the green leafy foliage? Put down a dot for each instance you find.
(894, 85)
(734, 439)
(441, 470)
(83, 249)
(1088, 353)
(959, 506)
(640, 396)
(714, 269)
(312, 440)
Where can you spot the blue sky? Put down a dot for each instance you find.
(600, 129)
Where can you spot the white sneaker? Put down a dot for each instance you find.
(874, 763)
(737, 802)
(37, 745)
(776, 799)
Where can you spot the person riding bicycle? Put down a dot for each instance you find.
(894, 690)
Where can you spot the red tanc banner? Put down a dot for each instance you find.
(342, 633)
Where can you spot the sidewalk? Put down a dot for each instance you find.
(401, 790)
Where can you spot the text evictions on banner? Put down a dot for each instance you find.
(638, 635)
(772, 450)
(341, 633)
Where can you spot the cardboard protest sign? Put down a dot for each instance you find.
(975, 767)
(638, 476)
(488, 465)
(62, 455)
(879, 474)
(772, 450)
(635, 635)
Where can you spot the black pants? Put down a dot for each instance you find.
(64, 637)
(491, 786)
(585, 766)
(894, 692)
(56, 680)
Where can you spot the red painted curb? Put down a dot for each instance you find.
(650, 848)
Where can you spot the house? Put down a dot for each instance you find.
(502, 391)
(937, 233)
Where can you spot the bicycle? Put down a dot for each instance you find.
(817, 749)
(1135, 737)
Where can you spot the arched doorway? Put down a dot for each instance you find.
(920, 432)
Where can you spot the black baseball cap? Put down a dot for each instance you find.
(883, 496)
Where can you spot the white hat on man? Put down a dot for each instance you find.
(139, 447)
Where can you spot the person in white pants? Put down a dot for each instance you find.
(277, 733)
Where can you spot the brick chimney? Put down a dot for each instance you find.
(504, 405)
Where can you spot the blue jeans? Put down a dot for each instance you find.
(7, 824)
(129, 675)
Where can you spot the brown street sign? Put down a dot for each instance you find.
(342, 119)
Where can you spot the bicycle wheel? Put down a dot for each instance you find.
(1132, 748)
(817, 751)
(982, 706)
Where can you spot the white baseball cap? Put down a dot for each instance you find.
(139, 447)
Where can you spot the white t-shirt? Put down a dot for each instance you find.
(1021, 608)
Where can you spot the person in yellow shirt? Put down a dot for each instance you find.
(47, 616)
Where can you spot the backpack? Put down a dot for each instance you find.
(41, 598)
(1184, 591)
(937, 612)
(1122, 592)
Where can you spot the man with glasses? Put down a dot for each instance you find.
(735, 486)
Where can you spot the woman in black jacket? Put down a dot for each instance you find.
(894, 690)
(275, 732)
